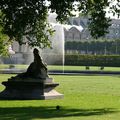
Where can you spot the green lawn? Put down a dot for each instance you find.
(81, 68)
(60, 67)
(85, 98)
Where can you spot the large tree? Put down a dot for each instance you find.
(4, 40)
(29, 17)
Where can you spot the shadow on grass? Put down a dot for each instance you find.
(29, 113)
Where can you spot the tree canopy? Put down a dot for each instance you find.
(29, 17)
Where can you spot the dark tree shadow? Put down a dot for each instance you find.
(29, 113)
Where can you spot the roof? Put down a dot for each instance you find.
(68, 27)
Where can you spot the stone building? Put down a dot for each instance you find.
(114, 29)
(75, 35)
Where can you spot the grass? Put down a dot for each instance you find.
(85, 98)
(60, 67)
(6, 66)
(81, 68)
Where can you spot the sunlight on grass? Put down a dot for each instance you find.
(60, 67)
(85, 98)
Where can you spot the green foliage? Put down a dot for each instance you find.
(3, 40)
(98, 23)
(63, 8)
(92, 60)
(100, 46)
(28, 18)
(40, 33)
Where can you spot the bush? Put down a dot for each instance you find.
(11, 66)
(87, 67)
(92, 60)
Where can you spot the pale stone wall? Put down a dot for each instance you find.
(74, 35)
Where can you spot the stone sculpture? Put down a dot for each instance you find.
(37, 68)
(32, 84)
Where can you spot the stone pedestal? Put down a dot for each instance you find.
(29, 89)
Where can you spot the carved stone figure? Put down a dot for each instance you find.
(37, 68)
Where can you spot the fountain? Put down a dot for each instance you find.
(57, 40)
(57, 51)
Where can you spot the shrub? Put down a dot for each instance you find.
(92, 60)
(87, 67)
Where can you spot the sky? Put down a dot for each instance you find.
(114, 2)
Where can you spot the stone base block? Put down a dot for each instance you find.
(29, 90)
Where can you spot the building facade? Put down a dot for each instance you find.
(75, 35)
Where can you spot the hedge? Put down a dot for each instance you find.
(92, 60)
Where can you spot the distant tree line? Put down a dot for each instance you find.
(93, 47)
